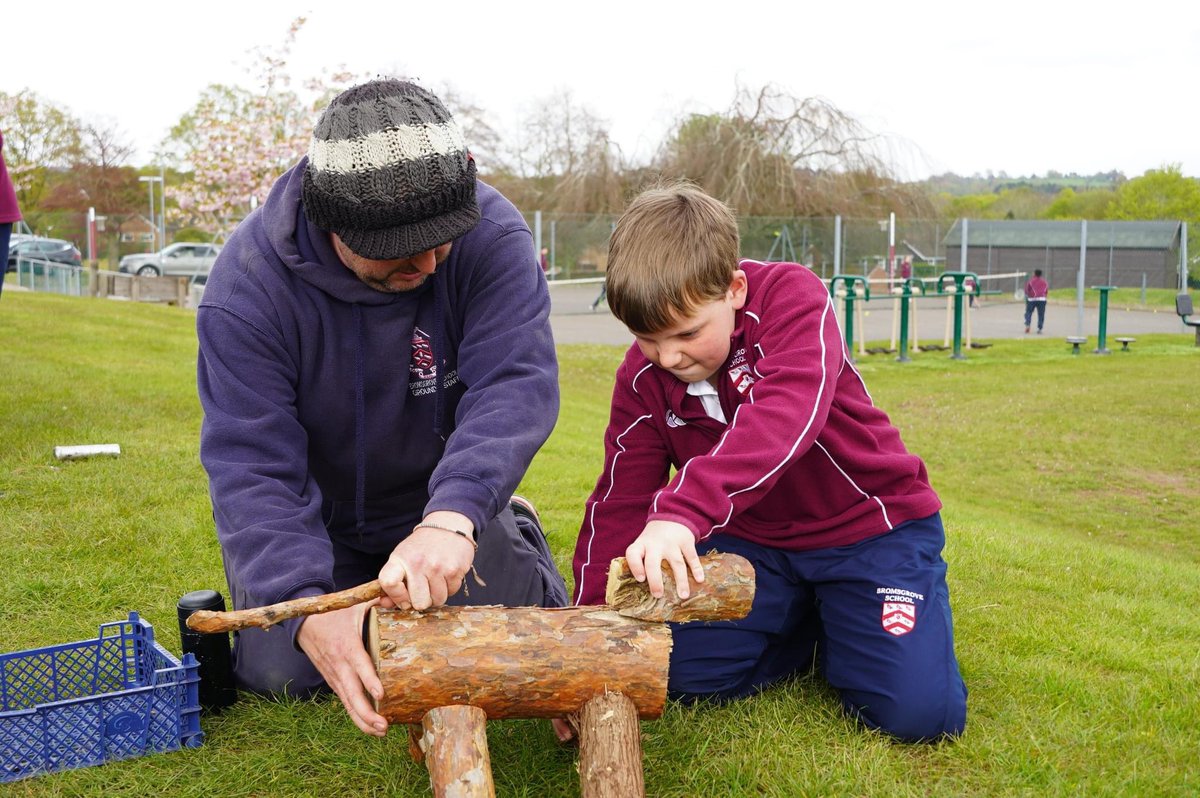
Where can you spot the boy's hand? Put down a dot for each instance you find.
(664, 541)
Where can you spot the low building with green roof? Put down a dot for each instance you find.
(1118, 253)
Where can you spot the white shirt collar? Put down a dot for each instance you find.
(707, 393)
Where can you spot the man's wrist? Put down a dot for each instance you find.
(469, 536)
(452, 521)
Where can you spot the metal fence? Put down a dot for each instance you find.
(63, 278)
(577, 247)
(577, 244)
(50, 277)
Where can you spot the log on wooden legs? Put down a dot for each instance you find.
(610, 749)
(524, 662)
(454, 740)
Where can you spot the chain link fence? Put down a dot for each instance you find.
(577, 248)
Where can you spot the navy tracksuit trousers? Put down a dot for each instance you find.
(877, 612)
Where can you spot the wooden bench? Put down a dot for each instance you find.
(1075, 341)
(1125, 342)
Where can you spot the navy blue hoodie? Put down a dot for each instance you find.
(331, 408)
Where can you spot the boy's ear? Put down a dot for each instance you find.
(737, 289)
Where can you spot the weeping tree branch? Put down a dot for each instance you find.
(771, 153)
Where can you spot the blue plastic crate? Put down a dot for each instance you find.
(118, 696)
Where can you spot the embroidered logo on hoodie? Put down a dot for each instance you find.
(422, 365)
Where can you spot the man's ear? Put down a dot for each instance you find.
(737, 289)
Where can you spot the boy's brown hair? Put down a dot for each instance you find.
(674, 249)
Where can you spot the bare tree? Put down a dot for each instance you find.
(563, 160)
(483, 140)
(772, 154)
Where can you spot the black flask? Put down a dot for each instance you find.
(217, 690)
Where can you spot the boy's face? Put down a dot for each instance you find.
(695, 347)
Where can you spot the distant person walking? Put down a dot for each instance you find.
(1035, 298)
(10, 213)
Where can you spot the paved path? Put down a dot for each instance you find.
(574, 321)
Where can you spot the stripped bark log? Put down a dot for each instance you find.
(525, 662)
(610, 749)
(266, 617)
(725, 594)
(454, 739)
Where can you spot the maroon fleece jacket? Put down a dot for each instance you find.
(807, 461)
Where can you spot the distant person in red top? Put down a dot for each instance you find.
(10, 213)
(906, 268)
(1035, 297)
(740, 381)
(545, 261)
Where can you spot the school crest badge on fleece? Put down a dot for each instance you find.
(422, 366)
(739, 372)
(899, 610)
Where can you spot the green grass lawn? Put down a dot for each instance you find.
(1072, 503)
(1123, 298)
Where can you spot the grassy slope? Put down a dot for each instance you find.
(1071, 489)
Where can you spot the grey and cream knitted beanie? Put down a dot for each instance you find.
(389, 172)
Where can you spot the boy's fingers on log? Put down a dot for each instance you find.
(652, 567)
(679, 570)
(634, 556)
(696, 566)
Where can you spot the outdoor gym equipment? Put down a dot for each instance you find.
(1102, 335)
(851, 288)
(955, 291)
(905, 302)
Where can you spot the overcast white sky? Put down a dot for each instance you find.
(1021, 87)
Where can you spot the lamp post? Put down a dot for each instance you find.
(150, 181)
(162, 206)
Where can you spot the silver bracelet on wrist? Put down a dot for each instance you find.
(470, 538)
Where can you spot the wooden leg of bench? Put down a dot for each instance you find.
(454, 740)
(610, 748)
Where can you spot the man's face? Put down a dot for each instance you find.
(391, 276)
(694, 348)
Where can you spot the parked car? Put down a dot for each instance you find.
(179, 259)
(52, 249)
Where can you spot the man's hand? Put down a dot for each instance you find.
(664, 541)
(333, 641)
(428, 566)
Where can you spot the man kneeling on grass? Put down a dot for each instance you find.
(740, 380)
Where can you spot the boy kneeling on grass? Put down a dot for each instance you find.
(740, 380)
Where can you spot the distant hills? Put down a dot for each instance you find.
(991, 183)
